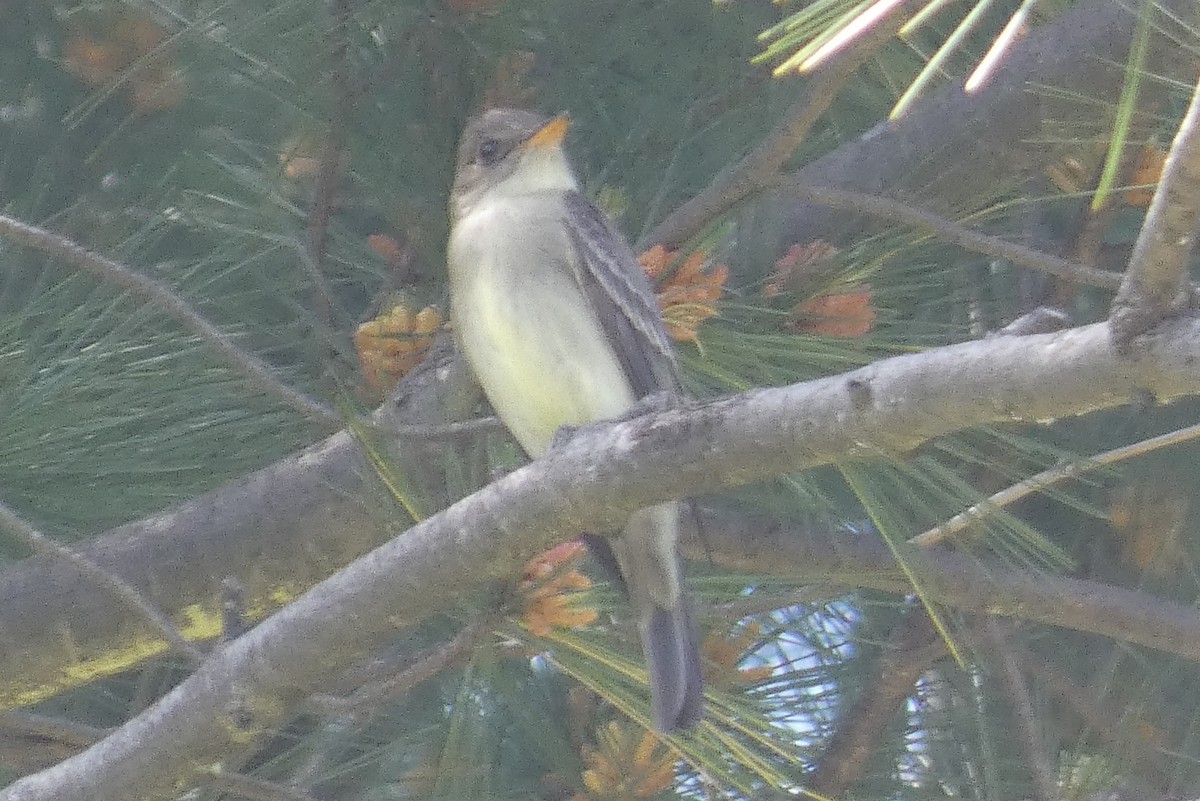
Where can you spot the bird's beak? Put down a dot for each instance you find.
(551, 134)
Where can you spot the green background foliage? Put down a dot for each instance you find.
(110, 411)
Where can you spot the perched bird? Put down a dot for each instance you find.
(562, 328)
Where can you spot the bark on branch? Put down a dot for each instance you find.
(592, 482)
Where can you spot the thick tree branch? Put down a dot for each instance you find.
(604, 472)
(1000, 134)
(277, 532)
(314, 511)
(970, 586)
(119, 588)
(289, 525)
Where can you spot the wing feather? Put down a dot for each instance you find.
(624, 301)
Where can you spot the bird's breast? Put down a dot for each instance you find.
(526, 326)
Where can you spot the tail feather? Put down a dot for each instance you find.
(652, 574)
(673, 663)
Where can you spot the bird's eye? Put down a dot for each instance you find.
(489, 152)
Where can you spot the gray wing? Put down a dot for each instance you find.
(617, 288)
(621, 294)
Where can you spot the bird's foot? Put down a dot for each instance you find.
(649, 404)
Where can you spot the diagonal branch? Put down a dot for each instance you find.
(321, 508)
(1002, 133)
(969, 585)
(1048, 478)
(760, 169)
(1156, 283)
(276, 531)
(114, 584)
(316, 503)
(603, 473)
(255, 370)
(885, 208)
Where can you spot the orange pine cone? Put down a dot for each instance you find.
(550, 585)
(844, 314)
(392, 344)
(688, 296)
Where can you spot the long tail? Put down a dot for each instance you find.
(653, 577)
(673, 662)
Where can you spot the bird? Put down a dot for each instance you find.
(561, 327)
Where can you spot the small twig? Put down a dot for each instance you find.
(368, 698)
(345, 715)
(1089, 243)
(1048, 478)
(466, 428)
(68, 732)
(1042, 320)
(1156, 283)
(333, 150)
(30, 743)
(1029, 739)
(254, 369)
(760, 169)
(234, 621)
(1092, 225)
(956, 233)
(121, 589)
(256, 789)
(911, 648)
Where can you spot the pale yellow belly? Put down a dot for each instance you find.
(539, 353)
